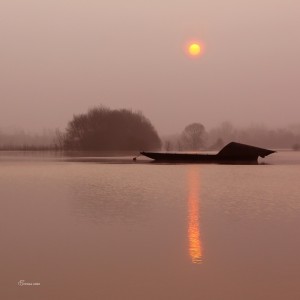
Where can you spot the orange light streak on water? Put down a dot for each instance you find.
(195, 244)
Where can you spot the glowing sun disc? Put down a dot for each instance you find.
(195, 49)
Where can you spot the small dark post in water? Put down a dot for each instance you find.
(134, 159)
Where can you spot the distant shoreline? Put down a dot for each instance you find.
(71, 153)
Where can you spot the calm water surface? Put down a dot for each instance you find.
(90, 228)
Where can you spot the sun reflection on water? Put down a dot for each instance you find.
(195, 245)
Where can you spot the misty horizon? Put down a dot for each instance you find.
(211, 138)
(292, 126)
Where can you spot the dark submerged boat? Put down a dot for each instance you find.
(231, 153)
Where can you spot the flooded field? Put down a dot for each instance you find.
(107, 228)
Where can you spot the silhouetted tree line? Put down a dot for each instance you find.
(21, 140)
(121, 130)
(104, 129)
(260, 135)
(195, 137)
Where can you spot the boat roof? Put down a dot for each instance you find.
(234, 149)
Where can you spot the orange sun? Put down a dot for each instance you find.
(194, 49)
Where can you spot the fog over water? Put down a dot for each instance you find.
(59, 58)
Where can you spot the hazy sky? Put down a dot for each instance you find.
(59, 58)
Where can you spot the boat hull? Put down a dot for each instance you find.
(231, 153)
(180, 157)
(194, 158)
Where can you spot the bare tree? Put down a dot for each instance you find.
(193, 136)
(59, 139)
